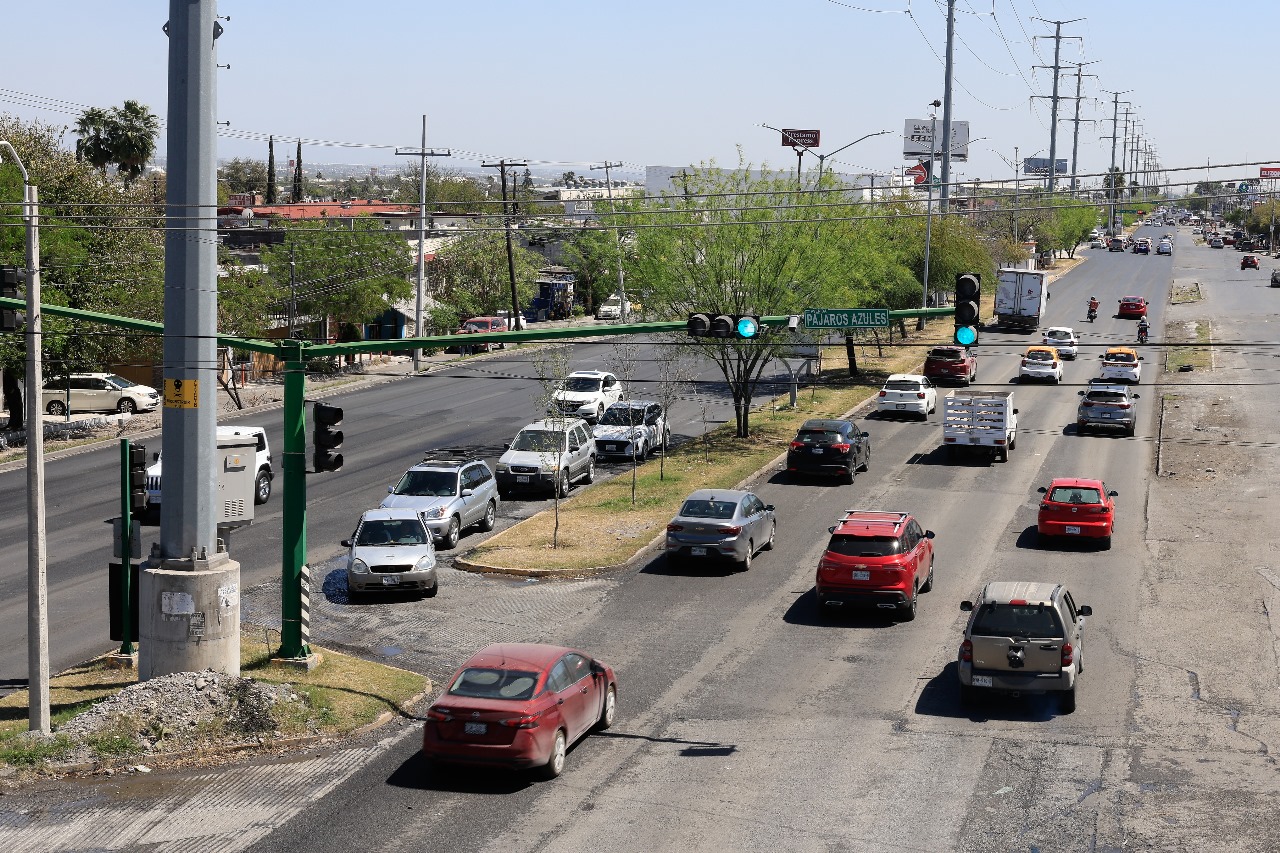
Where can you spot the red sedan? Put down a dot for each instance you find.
(1077, 509)
(520, 705)
(1132, 306)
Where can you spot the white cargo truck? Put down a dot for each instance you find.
(1020, 297)
(985, 421)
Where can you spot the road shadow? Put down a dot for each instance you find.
(894, 417)
(804, 611)
(335, 590)
(954, 457)
(690, 568)
(1030, 540)
(418, 774)
(941, 698)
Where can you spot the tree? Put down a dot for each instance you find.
(242, 175)
(297, 176)
(592, 254)
(470, 274)
(271, 170)
(1203, 194)
(123, 136)
(569, 179)
(551, 366)
(92, 147)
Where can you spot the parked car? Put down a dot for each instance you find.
(520, 705)
(1121, 364)
(952, 364)
(478, 325)
(881, 559)
(632, 429)
(1109, 406)
(391, 550)
(1077, 509)
(1132, 306)
(829, 446)
(1249, 262)
(97, 392)
(547, 455)
(586, 394)
(719, 524)
(1022, 637)
(262, 463)
(613, 308)
(449, 494)
(908, 393)
(1040, 362)
(1064, 340)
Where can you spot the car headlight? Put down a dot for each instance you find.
(502, 468)
(434, 512)
(360, 567)
(426, 562)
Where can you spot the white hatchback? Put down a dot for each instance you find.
(1063, 339)
(907, 393)
(1041, 363)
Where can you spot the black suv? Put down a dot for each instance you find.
(829, 447)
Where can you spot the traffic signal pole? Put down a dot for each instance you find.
(294, 612)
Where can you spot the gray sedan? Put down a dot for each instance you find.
(391, 550)
(721, 524)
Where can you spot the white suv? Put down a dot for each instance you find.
(547, 454)
(262, 462)
(586, 394)
(97, 392)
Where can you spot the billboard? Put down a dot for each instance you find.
(805, 138)
(1271, 172)
(917, 140)
(1040, 166)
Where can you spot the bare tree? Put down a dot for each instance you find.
(622, 362)
(551, 366)
(675, 373)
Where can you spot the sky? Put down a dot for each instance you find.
(566, 84)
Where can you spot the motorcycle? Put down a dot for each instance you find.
(1092, 314)
(1142, 334)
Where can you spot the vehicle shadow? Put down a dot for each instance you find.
(712, 568)
(418, 774)
(957, 457)
(895, 416)
(804, 611)
(1030, 540)
(941, 698)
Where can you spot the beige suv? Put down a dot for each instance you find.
(1022, 637)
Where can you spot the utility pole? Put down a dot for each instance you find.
(422, 154)
(190, 620)
(502, 166)
(1115, 124)
(945, 192)
(1017, 181)
(1124, 151)
(617, 236)
(1053, 119)
(1075, 139)
(928, 220)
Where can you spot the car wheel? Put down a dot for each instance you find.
(490, 516)
(666, 440)
(430, 592)
(562, 484)
(821, 611)
(56, 407)
(928, 582)
(1002, 455)
(450, 539)
(591, 470)
(1105, 543)
(1013, 444)
(1129, 430)
(968, 695)
(746, 561)
(504, 494)
(555, 762)
(866, 462)
(609, 710)
(907, 611)
(354, 595)
(847, 477)
(126, 406)
(262, 487)
(1069, 701)
(773, 532)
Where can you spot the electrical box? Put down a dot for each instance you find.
(237, 470)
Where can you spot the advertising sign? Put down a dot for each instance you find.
(1271, 172)
(807, 138)
(1040, 166)
(917, 140)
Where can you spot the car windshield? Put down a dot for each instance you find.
(1126, 357)
(475, 326)
(120, 381)
(484, 683)
(581, 383)
(623, 416)
(708, 509)
(863, 546)
(944, 355)
(1075, 495)
(539, 441)
(1039, 355)
(1058, 334)
(428, 484)
(1016, 620)
(818, 436)
(901, 385)
(397, 531)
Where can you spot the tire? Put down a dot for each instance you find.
(907, 612)
(1132, 428)
(608, 711)
(591, 470)
(1002, 455)
(450, 539)
(928, 582)
(666, 440)
(1105, 543)
(126, 406)
(262, 487)
(504, 494)
(490, 517)
(562, 484)
(555, 762)
(745, 565)
(1068, 701)
(354, 595)
(847, 477)
(1013, 442)
(773, 532)
(968, 696)
(866, 462)
(431, 591)
(56, 408)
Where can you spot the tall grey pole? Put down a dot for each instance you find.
(1115, 125)
(1075, 136)
(624, 306)
(945, 192)
(422, 248)
(37, 554)
(928, 223)
(1053, 118)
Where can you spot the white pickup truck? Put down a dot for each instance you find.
(985, 420)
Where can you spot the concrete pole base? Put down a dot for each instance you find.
(189, 617)
(116, 660)
(305, 663)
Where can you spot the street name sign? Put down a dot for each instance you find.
(846, 318)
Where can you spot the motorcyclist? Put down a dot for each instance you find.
(1093, 305)
(1143, 328)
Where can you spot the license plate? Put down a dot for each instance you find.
(818, 451)
(1107, 414)
(900, 406)
(479, 728)
(611, 447)
(390, 580)
(978, 681)
(698, 552)
(1072, 530)
(861, 575)
(522, 478)
(973, 439)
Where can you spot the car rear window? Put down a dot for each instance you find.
(1105, 397)
(902, 385)
(1016, 620)
(1075, 495)
(484, 683)
(818, 436)
(1039, 355)
(708, 509)
(863, 546)
(1057, 334)
(1126, 357)
(944, 355)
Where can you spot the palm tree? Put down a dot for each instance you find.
(92, 128)
(132, 138)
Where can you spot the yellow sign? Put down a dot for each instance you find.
(181, 393)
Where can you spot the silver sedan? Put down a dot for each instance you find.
(391, 550)
(721, 524)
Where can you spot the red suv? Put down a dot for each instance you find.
(880, 558)
(1132, 306)
(956, 364)
(478, 325)
(1077, 509)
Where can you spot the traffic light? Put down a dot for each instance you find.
(137, 478)
(326, 437)
(9, 279)
(968, 292)
(710, 325)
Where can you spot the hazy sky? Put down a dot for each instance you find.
(567, 83)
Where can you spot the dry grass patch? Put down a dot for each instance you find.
(1188, 345)
(1185, 291)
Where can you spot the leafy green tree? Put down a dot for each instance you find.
(123, 136)
(1204, 193)
(592, 254)
(91, 146)
(271, 170)
(470, 275)
(297, 176)
(242, 175)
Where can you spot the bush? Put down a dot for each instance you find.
(324, 366)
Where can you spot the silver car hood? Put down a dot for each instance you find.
(617, 432)
(529, 457)
(421, 503)
(391, 555)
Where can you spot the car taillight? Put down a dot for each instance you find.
(920, 395)
(1087, 403)
(1068, 654)
(966, 651)
(797, 445)
(1024, 362)
(730, 529)
(440, 715)
(882, 394)
(1123, 406)
(525, 721)
(674, 528)
(843, 448)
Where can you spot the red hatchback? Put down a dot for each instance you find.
(1077, 509)
(879, 558)
(1132, 306)
(520, 705)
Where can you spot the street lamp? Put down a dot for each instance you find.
(822, 158)
(928, 221)
(37, 588)
(802, 149)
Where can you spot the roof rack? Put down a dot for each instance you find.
(454, 459)
(875, 515)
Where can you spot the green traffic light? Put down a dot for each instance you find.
(748, 327)
(966, 335)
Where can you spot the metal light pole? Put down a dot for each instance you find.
(623, 306)
(822, 158)
(422, 153)
(37, 557)
(928, 221)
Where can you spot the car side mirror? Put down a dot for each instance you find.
(345, 543)
(1080, 393)
(1085, 610)
(1137, 396)
(831, 530)
(391, 490)
(506, 447)
(574, 448)
(1015, 411)
(155, 457)
(768, 507)
(1043, 490)
(929, 534)
(1113, 494)
(866, 435)
(1141, 358)
(966, 606)
(1102, 356)
(466, 493)
(597, 668)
